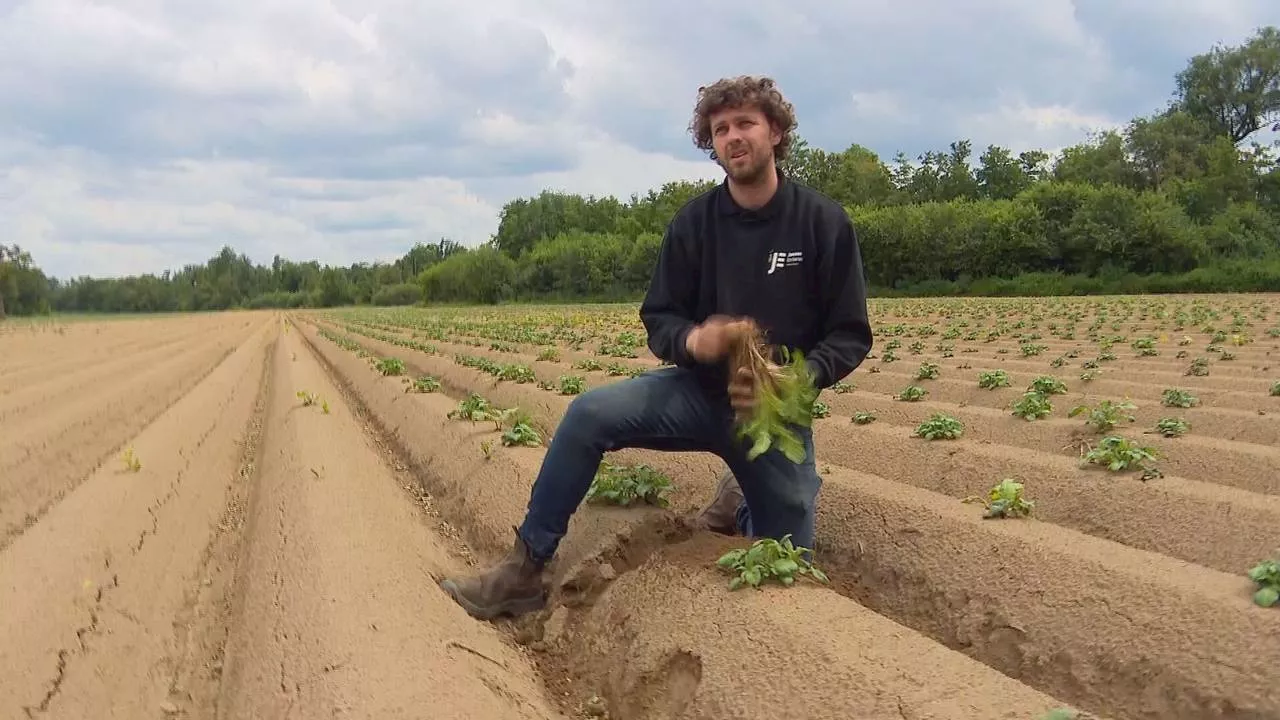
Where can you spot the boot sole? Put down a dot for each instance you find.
(514, 607)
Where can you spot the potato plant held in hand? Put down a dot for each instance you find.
(784, 396)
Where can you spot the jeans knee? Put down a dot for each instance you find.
(796, 502)
(591, 416)
(586, 410)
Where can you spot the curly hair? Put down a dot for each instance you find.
(743, 91)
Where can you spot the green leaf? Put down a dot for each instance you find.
(785, 566)
(1263, 572)
(1267, 596)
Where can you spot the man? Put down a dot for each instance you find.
(758, 246)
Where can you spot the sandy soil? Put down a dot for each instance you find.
(272, 559)
(1182, 516)
(92, 589)
(672, 642)
(61, 428)
(903, 546)
(339, 613)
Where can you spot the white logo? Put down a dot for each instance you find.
(783, 259)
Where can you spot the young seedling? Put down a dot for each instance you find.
(616, 369)
(308, 399)
(820, 409)
(1032, 406)
(843, 387)
(1004, 500)
(1118, 454)
(626, 484)
(131, 461)
(390, 366)
(1173, 397)
(927, 371)
(521, 433)
(768, 558)
(516, 373)
(1171, 427)
(1267, 577)
(993, 379)
(1145, 347)
(571, 384)
(475, 408)
(424, 384)
(939, 426)
(785, 396)
(1048, 385)
(1275, 389)
(912, 393)
(862, 418)
(1199, 367)
(1106, 415)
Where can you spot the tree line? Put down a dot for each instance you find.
(1183, 199)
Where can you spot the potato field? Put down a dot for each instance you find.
(1031, 509)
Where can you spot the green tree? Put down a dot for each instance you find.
(1235, 89)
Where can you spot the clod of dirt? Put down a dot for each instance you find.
(595, 707)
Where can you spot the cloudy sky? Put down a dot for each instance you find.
(139, 135)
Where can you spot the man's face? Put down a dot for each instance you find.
(743, 140)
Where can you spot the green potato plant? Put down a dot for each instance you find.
(1266, 575)
(767, 559)
(785, 397)
(1004, 500)
(627, 484)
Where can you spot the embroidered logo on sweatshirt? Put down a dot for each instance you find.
(783, 259)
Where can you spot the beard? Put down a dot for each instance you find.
(748, 170)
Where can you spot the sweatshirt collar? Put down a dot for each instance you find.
(728, 206)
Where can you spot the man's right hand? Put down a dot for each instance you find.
(710, 341)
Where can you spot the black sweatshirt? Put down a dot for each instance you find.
(793, 265)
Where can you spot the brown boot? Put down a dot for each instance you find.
(513, 586)
(720, 516)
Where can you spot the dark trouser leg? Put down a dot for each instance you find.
(663, 409)
(779, 496)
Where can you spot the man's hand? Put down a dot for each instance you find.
(710, 341)
(742, 392)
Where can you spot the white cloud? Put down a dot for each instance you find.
(139, 136)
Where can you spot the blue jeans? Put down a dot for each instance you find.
(666, 409)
